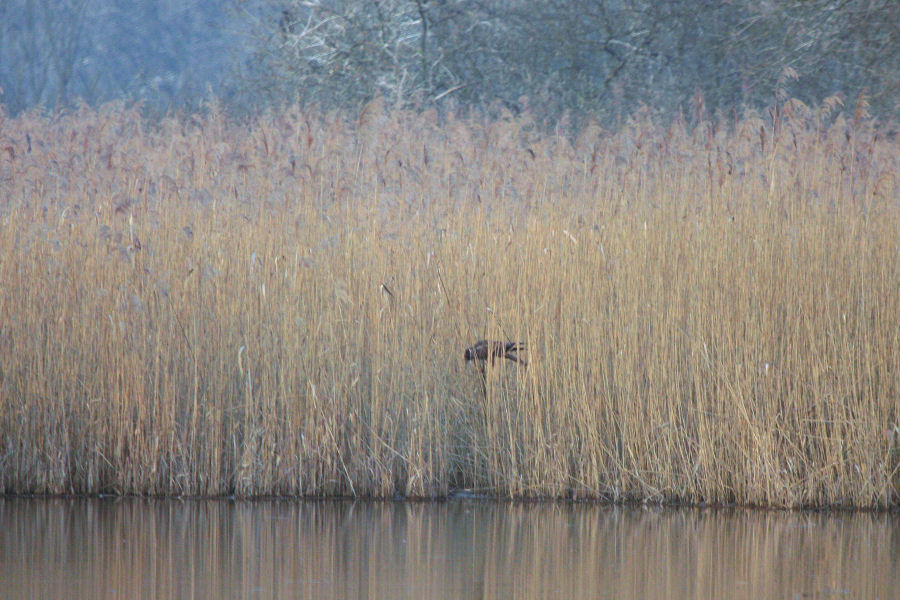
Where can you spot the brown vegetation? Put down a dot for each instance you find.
(202, 307)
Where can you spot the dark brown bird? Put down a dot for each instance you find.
(489, 350)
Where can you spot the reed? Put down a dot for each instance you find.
(280, 307)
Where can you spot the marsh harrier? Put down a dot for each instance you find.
(489, 350)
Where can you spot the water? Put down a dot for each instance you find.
(133, 548)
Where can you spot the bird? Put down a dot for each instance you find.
(488, 350)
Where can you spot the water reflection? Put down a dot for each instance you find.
(132, 548)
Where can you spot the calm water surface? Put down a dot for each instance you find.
(132, 548)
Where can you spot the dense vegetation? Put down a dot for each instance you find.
(281, 306)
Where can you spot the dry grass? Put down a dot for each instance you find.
(205, 307)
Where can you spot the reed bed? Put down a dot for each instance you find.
(280, 307)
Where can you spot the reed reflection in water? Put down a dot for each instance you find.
(133, 548)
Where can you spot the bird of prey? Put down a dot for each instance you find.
(489, 350)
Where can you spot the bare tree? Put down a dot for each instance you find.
(58, 52)
(343, 52)
(41, 43)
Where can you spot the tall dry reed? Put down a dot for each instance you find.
(712, 310)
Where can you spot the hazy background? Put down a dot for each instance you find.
(603, 58)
